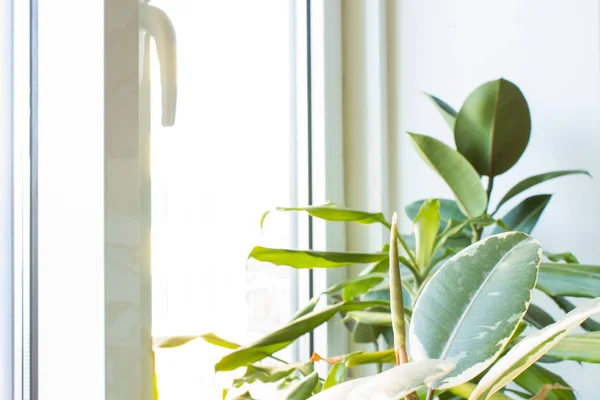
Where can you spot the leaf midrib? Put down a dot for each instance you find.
(531, 214)
(470, 305)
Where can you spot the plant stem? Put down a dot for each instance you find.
(413, 268)
(488, 192)
(430, 393)
(379, 365)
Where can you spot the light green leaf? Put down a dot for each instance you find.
(447, 112)
(449, 210)
(536, 376)
(456, 171)
(244, 396)
(374, 357)
(464, 390)
(486, 290)
(567, 306)
(276, 340)
(493, 126)
(584, 347)
(577, 280)
(335, 376)
(372, 317)
(361, 285)
(334, 213)
(312, 258)
(534, 180)
(526, 214)
(302, 389)
(271, 373)
(537, 317)
(530, 349)
(426, 226)
(391, 384)
(176, 341)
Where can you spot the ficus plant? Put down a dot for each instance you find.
(452, 300)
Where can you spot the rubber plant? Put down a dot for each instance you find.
(454, 305)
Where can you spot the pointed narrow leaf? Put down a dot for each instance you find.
(493, 126)
(456, 171)
(426, 226)
(334, 213)
(312, 258)
(271, 373)
(530, 349)
(575, 280)
(276, 340)
(526, 214)
(336, 375)
(465, 390)
(244, 396)
(447, 112)
(567, 306)
(487, 288)
(176, 341)
(536, 377)
(385, 356)
(537, 317)
(449, 210)
(372, 317)
(302, 389)
(584, 347)
(534, 180)
(391, 384)
(567, 257)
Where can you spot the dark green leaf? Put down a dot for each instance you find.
(576, 280)
(525, 215)
(335, 213)
(365, 333)
(456, 171)
(487, 288)
(447, 112)
(534, 377)
(567, 306)
(302, 389)
(276, 340)
(312, 258)
(534, 180)
(271, 373)
(538, 317)
(493, 126)
(584, 347)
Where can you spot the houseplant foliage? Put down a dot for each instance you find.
(451, 300)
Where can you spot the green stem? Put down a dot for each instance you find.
(379, 365)
(430, 393)
(488, 192)
(413, 260)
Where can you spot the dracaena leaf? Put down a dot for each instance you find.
(313, 259)
(530, 349)
(487, 288)
(534, 378)
(584, 347)
(577, 280)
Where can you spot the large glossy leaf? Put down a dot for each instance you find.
(302, 389)
(312, 258)
(493, 126)
(335, 213)
(276, 340)
(447, 112)
(271, 373)
(473, 304)
(534, 180)
(536, 376)
(456, 171)
(391, 384)
(426, 226)
(575, 280)
(526, 214)
(567, 306)
(583, 347)
(530, 349)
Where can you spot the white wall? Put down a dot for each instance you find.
(550, 49)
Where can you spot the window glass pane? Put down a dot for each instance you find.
(226, 160)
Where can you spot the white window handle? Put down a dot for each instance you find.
(156, 23)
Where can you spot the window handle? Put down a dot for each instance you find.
(157, 24)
